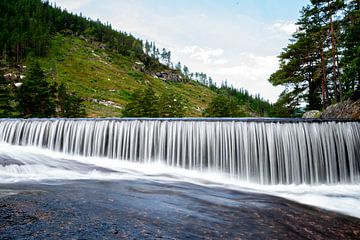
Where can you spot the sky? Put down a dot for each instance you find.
(233, 40)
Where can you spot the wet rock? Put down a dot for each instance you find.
(149, 210)
(5, 161)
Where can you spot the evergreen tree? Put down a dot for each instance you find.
(6, 108)
(147, 48)
(303, 64)
(328, 10)
(35, 95)
(70, 105)
(178, 67)
(351, 55)
(299, 71)
(186, 71)
(224, 106)
(164, 55)
(168, 60)
(329, 33)
(172, 105)
(144, 103)
(26, 26)
(287, 105)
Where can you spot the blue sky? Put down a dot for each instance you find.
(233, 40)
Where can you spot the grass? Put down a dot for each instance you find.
(94, 73)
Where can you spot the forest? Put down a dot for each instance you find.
(321, 64)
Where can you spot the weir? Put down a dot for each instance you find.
(265, 151)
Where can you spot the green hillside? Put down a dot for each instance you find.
(99, 77)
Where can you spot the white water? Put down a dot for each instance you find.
(45, 166)
(253, 151)
(315, 163)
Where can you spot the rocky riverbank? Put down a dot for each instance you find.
(142, 209)
(348, 109)
(345, 110)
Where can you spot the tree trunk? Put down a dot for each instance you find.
(17, 52)
(324, 90)
(333, 51)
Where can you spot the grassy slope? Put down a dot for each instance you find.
(94, 73)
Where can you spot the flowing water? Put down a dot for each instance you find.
(313, 162)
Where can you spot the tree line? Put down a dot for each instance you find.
(146, 103)
(228, 102)
(28, 25)
(321, 65)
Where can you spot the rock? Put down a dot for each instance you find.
(107, 103)
(10, 76)
(83, 38)
(168, 75)
(345, 110)
(18, 84)
(102, 46)
(139, 66)
(312, 114)
(68, 32)
(20, 67)
(144, 209)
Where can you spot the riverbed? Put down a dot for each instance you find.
(144, 209)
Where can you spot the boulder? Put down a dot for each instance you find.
(312, 114)
(345, 110)
(139, 66)
(168, 75)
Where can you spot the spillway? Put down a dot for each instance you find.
(264, 151)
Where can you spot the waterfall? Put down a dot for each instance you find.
(262, 151)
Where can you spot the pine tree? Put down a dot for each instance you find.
(224, 106)
(147, 48)
(163, 55)
(171, 105)
(186, 71)
(27, 26)
(35, 95)
(6, 109)
(178, 67)
(144, 103)
(168, 60)
(351, 43)
(303, 66)
(70, 105)
(328, 10)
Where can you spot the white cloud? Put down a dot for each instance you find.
(206, 55)
(251, 72)
(286, 27)
(243, 70)
(71, 5)
(251, 66)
